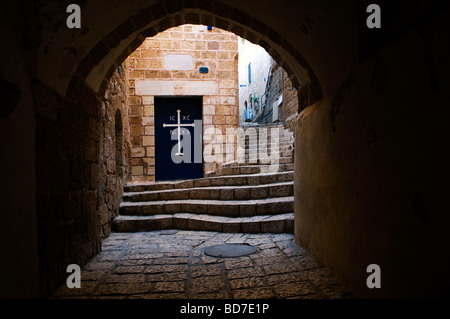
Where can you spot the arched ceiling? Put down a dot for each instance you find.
(313, 40)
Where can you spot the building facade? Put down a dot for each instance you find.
(184, 61)
(266, 94)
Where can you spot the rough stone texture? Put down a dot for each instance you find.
(225, 193)
(247, 203)
(228, 208)
(281, 223)
(78, 184)
(114, 149)
(172, 264)
(290, 103)
(67, 157)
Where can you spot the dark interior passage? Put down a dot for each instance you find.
(370, 166)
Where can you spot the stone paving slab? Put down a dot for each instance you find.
(172, 265)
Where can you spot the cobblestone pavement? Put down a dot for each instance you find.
(171, 264)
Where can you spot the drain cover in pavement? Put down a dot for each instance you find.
(230, 250)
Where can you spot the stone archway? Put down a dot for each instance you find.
(169, 14)
(95, 63)
(366, 175)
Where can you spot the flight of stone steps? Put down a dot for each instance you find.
(238, 197)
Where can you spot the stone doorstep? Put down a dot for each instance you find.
(245, 192)
(244, 179)
(283, 223)
(226, 208)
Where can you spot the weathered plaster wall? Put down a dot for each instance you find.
(260, 63)
(371, 169)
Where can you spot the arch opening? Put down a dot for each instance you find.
(109, 54)
(199, 60)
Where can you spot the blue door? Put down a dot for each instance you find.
(178, 138)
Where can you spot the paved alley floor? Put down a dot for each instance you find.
(172, 265)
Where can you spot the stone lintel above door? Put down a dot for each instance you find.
(168, 88)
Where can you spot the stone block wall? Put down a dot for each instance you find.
(290, 103)
(154, 69)
(115, 148)
(275, 93)
(68, 135)
(78, 187)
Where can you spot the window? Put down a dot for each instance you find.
(249, 73)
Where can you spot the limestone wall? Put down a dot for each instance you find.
(114, 148)
(78, 188)
(290, 103)
(168, 64)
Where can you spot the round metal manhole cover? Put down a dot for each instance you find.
(230, 250)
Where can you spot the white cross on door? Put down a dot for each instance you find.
(178, 126)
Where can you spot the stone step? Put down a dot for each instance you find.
(269, 144)
(246, 125)
(252, 169)
(286, 151)
(246, 192)
(246, 157)
(268, 149)
(236, 180)
(267, 136)
(245, 161)
(278, 139)
(266, 131)
(226, 208)
(283, 223)
(252, 141)
(284, 157)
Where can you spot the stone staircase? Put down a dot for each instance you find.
(238, 197)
